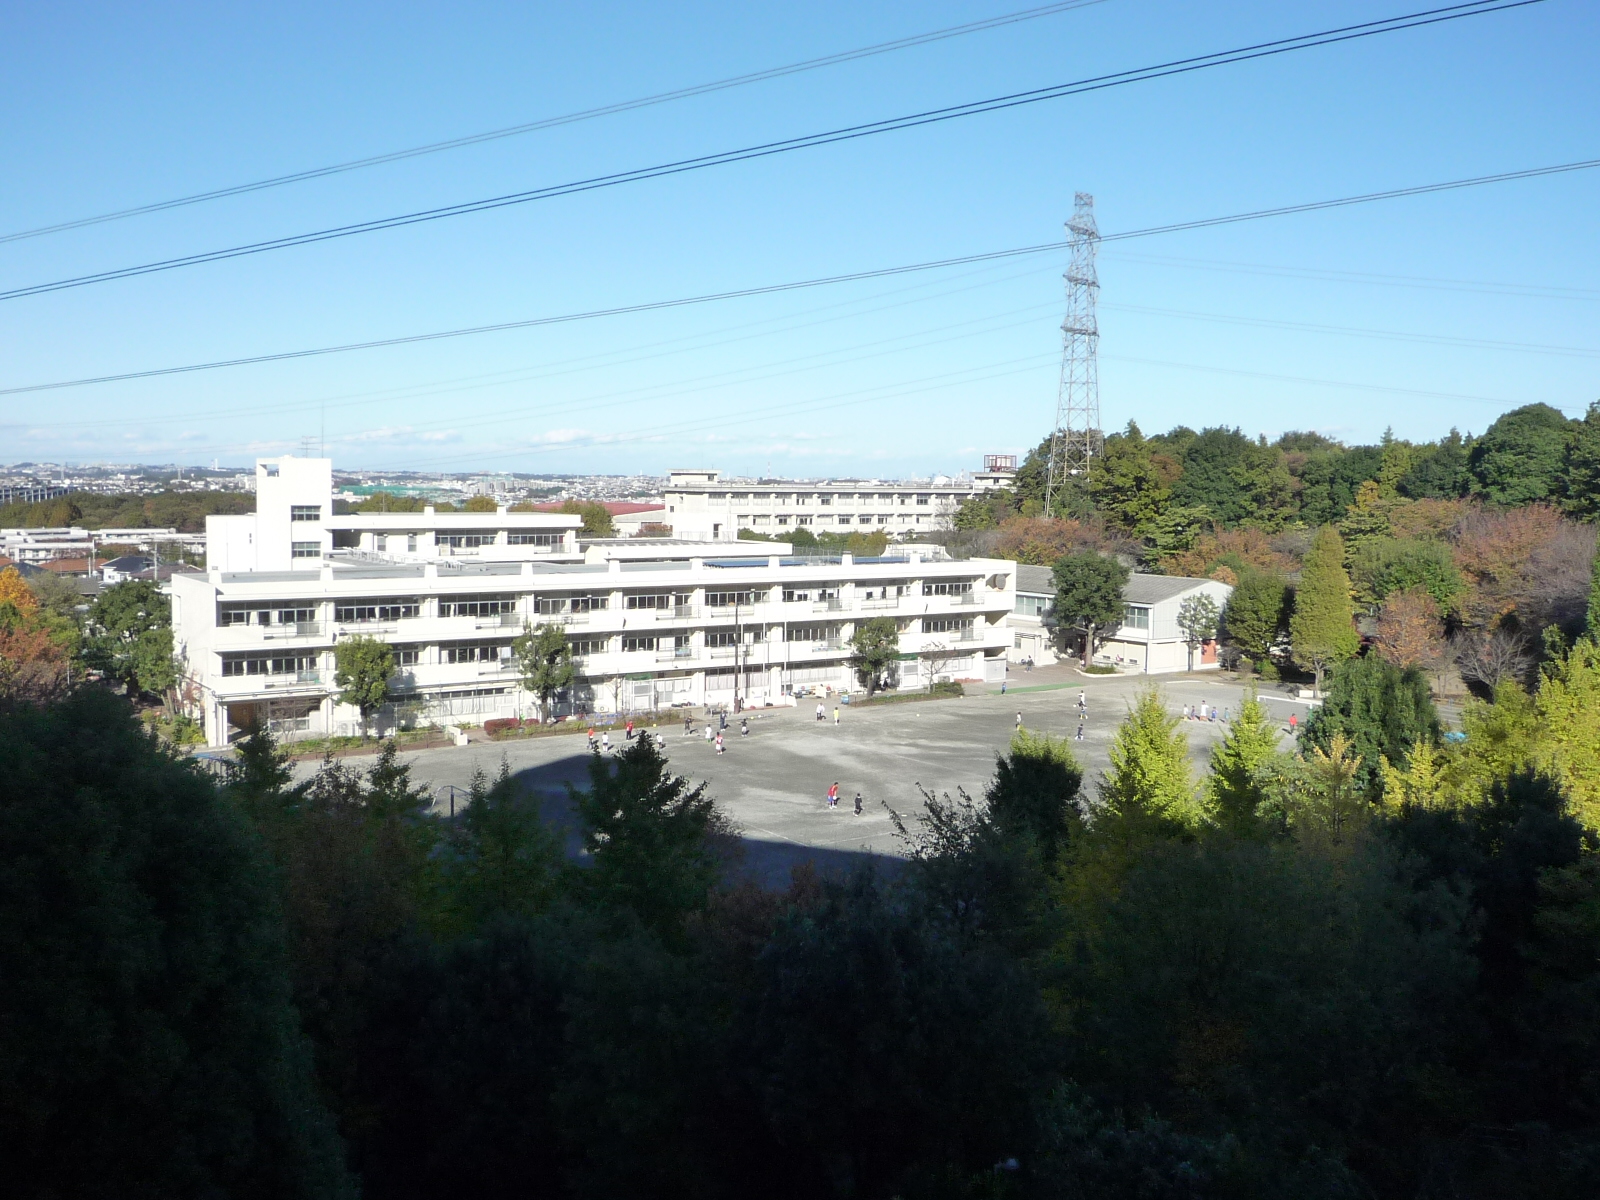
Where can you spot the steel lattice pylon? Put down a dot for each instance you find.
(1076, 438)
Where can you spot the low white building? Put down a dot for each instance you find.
(652, 622)
(1150, 640)
(701, 504)
(44, 544)
(1031, 638)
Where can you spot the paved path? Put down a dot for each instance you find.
(773, 783)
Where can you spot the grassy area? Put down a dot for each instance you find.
(941, 691)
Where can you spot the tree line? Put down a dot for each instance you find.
(184, 511)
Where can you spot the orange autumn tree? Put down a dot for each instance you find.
(1410, 632)
(14, 590)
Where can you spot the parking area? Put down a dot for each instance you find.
(773, 783)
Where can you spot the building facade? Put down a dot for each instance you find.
(700, 504)
(653, 623)
(1150, 640)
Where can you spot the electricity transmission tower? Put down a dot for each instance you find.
(1076, 439)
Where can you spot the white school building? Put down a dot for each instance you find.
(653, 622)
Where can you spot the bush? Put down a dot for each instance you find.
(499, 725)
(1099, 669)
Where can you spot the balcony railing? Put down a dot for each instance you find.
(880, 605)
(510, 620)
(966, 635)
(685, 654)
(293, 679)
(678, 612)
(722, 652)
(964, 598)
(291, 629)
(832, 604)
(829, 644)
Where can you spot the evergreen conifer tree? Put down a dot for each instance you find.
(1149, 787)
(1235, 787)
(1322, 631)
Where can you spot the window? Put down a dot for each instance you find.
(783, 520)
(796, 595)
(722, 637)
(380, 543)
(883, 518)
(407, 656)
(523, 538)
(411, 543)
(582, 647)
(471, 652)
(464, 541)
(476, 606)
(287, 665)
(843, 518)
(815, 634)
(824, 500)
(590, 603)
(923, 499)
(959, 587)
(1032, 606)
(634, 642)
(354, 611)
(654, 600)
(1134, 617)
(305, 512)
(761, 520)
(729, 599)
(804, 520)
(743, 520)
(305, 549)
(946, 624)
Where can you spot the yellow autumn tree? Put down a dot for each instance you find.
(14, 590)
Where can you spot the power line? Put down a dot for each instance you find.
(848, 133)
(588, 114)
(798, 285)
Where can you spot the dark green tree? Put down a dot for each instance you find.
(1089, 596)
(1211, 478)
(1126, 485)
(1035, 792)
(1329, 477)
(148, 1046)
(1580, 469)
(1519, 458)
(130, 636)
(1382, 710)
(544, 661)
(1237, 787)
(1385, 565)
(874, 645)
(657, 844)
(1438, 470)
(1257, 615)
(363, 667)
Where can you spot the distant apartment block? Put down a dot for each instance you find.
(700, 504)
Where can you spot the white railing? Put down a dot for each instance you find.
(686, 654)
(292, 629)
(509, 620)
(678, 612)
(879, 605)
(833, 604)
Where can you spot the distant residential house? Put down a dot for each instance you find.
(129, 566)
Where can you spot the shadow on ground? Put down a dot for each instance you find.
(764, 861)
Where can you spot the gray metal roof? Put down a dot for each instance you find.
(1153, 589)
(1037, 581)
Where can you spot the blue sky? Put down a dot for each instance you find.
(108, 106)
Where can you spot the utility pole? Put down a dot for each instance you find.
(1076, 438)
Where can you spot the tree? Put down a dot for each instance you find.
(1409, 631)
(1197, 619)
(1148, 787)
(1438, 471)
(1518, 459)
(148, 1045)
(1580, 467)
(597, 520)
(480, 504)
(936, 660)
(1034, 792)
(1257, 615)
(14, 590)
(1040, 542)
(1381, 712)
(1322, 630)
(1592, 613)
(1384, 565)
(363, 667)
(1568, 705)
(1089, 596)
(1212, 478)
(131, 637)
(544, 662)
(875, 644)
(657, 844)
(1126, 484)
(1235, 788)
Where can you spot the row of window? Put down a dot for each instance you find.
(292, 664)
(751, 520)
(401, 608)
(825, 499)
